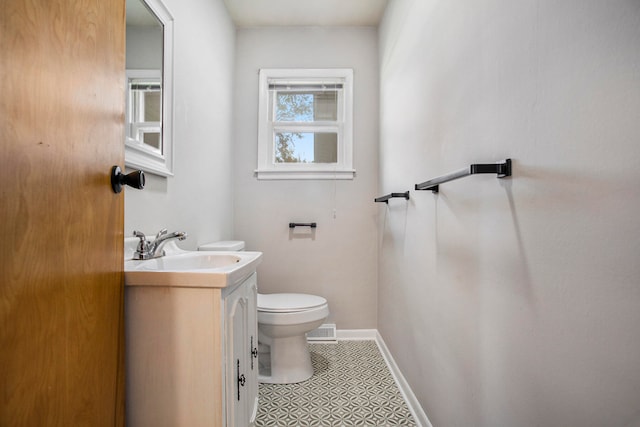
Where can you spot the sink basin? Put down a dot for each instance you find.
(192, 269)
(188, 261)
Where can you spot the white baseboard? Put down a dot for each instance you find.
(357, 334)
(416, 410)
(412, 402)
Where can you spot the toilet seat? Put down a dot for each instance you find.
(293, 317)
(289, 302)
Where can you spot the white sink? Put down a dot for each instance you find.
(192, 269)
(188, 261)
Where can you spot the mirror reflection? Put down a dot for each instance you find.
(144, 106)
(148, 63)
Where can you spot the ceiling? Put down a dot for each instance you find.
(252, 13)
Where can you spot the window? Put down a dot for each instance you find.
(305, 124)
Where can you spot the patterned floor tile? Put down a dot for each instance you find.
(351, 386)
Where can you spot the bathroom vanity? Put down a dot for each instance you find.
(191, 340)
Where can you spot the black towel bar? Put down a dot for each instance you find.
(501, 169)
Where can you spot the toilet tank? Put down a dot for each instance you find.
(226, 245)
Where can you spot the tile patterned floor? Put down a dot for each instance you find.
(352, 386)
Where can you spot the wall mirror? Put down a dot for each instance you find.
(149, 87)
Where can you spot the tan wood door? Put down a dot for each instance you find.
(61, 226)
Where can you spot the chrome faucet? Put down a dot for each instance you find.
(153, 249)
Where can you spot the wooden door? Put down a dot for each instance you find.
(61, 226)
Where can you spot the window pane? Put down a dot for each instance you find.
(152, 139)
(152, 106)
(146, 100)
(306, 147)
(325, 105)
(306, 106)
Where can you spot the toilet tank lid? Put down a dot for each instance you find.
(226, 245)
(284, 302)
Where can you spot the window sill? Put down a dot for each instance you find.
(267, 174)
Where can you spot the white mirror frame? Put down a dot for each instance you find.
(135, 156)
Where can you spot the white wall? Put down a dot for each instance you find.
(340, 263)
(513, 302)
(198, 199)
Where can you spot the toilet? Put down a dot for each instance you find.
(283, 321)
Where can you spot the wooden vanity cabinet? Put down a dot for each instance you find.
(191, 355)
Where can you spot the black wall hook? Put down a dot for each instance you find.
(386, 198)
(134, 179)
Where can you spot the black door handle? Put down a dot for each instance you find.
(134, 179)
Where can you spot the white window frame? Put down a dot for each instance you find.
(267, 166)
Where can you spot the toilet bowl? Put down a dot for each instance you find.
(283, 321)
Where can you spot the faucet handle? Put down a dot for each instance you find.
(142, 244)
(140, 235)
(161, 233)
(142, 251)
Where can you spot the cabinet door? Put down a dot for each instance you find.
(252, 326)
(236, 317)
